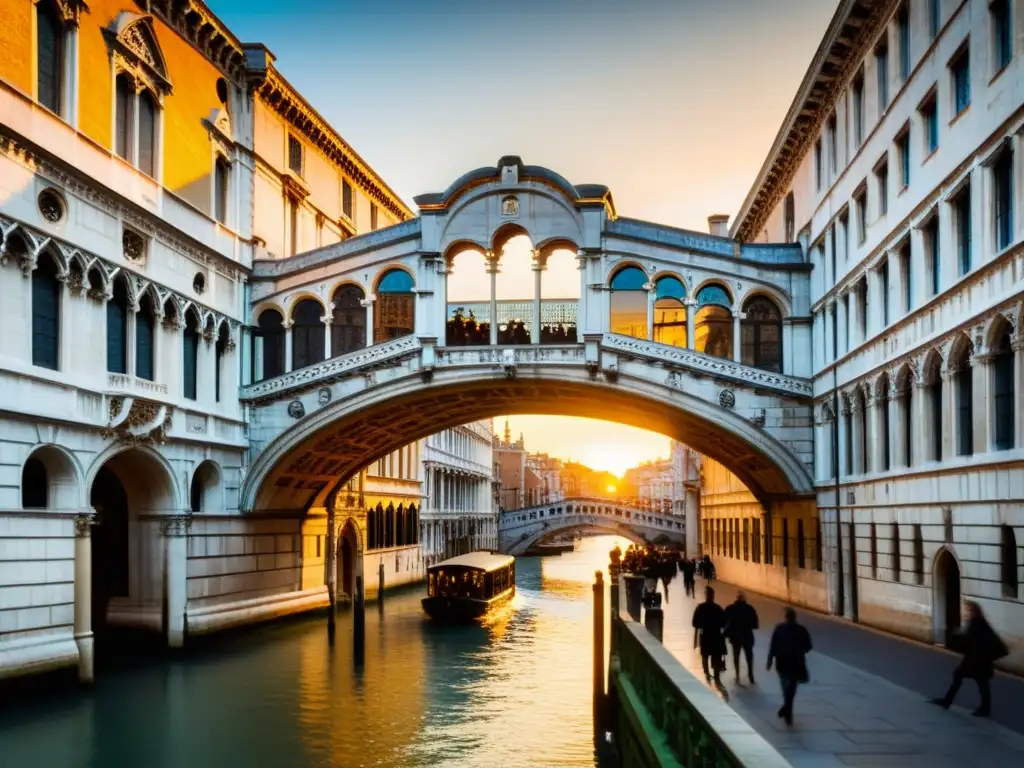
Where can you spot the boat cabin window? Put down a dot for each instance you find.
(458, 581)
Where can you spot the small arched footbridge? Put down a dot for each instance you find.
(521, 529)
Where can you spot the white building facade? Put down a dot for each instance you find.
(459, 514)
(900, 167)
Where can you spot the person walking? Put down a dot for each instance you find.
(791, 642)
(981, 647)
(740, 623)
(689, 571)
(709, 620)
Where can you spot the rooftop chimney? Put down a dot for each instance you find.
(718, 224)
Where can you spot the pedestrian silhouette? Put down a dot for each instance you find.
(981, 647)
(709, 621)
(741, 621)
(791, 642)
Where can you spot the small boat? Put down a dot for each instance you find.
(468, 586)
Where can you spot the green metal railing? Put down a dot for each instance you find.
(665, 717)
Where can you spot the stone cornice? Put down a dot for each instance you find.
(196, 23)
(279, 95)
(849, 35)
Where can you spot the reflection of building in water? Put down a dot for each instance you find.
(458, 506)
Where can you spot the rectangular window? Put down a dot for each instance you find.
(1002, 34)
(962, 225)
(882, 70)
(293, 226)
(857, 95)
(147, 134)
(144, 329)
(882, 174)
(295, 155)
(903, 152)
(862, 305)
(964, 383)
(934, 17)
(832, 243)
(874, 551)
(903, 38)
(833, 143)
(929, 112)
(49, 56)
(1002, 182)
(124, 119)
(906, 274)
(817, 165)
(373, 215)
(860, 205)
(221, 172)
(190, 350)
(346, 198)
(883, 282)
(960, 70)
(931, 245)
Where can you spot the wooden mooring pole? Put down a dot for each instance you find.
(598, 649)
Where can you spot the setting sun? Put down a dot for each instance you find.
(611, 488)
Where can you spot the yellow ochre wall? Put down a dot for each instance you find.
(187, 153)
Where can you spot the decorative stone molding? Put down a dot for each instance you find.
(759, 419)
(136, 421)
(194, 22)
(83, 525)
(727, 399)
(175, 526)
(296, 409)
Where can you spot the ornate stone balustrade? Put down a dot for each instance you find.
(665, 716)
(123, 383)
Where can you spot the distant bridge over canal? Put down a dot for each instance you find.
(520, 529)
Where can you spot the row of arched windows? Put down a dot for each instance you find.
(393, 317)
(386, 528)
(46, 327)
(907, 442)
(760, 328)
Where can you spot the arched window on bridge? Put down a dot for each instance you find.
(469, 298)
(394, 312)
(713, 329)
(559, 297)
(629, 303)
(307, 334)
(348, 320)
(515, 286)
(670, 312)
(269, 336)
(761, 334)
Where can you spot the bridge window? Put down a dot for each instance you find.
(670, 312)
(348, 320)
(761, 334)
(395, 309)
(307, 334)
(469, 300)
(713, 329)
(629, 302)
(559, 298)
(268, 341)
(515, 288)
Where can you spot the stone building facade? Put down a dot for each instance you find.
(900, 167)
(459, 514)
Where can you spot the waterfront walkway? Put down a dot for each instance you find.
(867, 702)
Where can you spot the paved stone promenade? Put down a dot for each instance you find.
(866, 704)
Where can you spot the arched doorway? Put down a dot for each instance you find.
(110, 566)
(946, 589)
(348, 549)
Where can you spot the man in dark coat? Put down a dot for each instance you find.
(790, 645)
(709, 621)
(740, 623)
(689, 568)
(981, 647)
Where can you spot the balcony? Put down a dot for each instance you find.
(126, 384)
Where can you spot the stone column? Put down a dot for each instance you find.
(538, 269)
(691, 323)
(581, 308)
(175, 531)
(843, 332)
(652, 296)
(327, 336)
(257, 358)
(288, 345)
(83, 596)
(368, 303)
(949, 413)
(895, 426)
(921, 287)
(880, 406)
(921, 450)
(737, 335)
(1017, 345)
(206, 359)
(981, 406)
(857, 436)
(492, 270)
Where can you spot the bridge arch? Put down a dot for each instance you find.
(367, 417)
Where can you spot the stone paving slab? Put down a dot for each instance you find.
(845, 716)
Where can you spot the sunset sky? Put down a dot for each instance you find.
(671, 103)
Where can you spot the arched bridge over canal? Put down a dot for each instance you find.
(361, 347)
(521, 529)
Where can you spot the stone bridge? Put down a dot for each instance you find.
(363, 346)
(520, 529)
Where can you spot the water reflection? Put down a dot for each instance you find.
(512, 691)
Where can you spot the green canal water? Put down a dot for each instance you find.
(514, 691)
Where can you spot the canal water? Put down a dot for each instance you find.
(514, 691)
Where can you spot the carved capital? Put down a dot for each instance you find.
(83, 525)
(175, 526)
